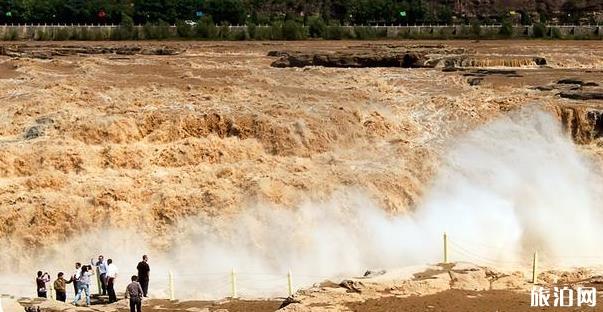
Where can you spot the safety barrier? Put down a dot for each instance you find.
(232, 284)
(235, 284)
(455, 249)
(108, 32)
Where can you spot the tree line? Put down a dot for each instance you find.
(267, 12)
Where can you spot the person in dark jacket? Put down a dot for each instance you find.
(134, 292)
(143, 274)
(41, 281)
(60, 287)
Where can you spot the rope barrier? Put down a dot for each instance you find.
(476, 255)
(475, 243)
(236, 284)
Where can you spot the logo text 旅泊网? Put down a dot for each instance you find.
(563, 297)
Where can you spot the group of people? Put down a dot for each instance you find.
(107, 271)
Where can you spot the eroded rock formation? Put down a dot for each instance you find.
(400, 56)
(50, 51)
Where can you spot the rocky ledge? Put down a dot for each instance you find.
(372, 55)
(51, 51)
(582, 115)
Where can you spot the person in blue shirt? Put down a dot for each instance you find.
(101, 265)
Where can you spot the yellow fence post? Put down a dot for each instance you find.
(51, 292)
(290, 283)
(233, 283)
(535, 268)
(171, 286)
(98, 282)
(445, 248)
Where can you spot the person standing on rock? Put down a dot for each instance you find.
(84, 284)
(41, 281)
(76, 276)
(111, 275)
(60, 287)
(134, 292)
(143, 274)
(101, 265)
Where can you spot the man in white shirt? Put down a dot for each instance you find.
(76, 276)
(111, 275)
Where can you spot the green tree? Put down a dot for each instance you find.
(476, 28)
(230, 11)
(539, 30)
(293, 31)
(183, 29)
(317, 27)
(526, 19)
(506, 29)
(206, 28)
(445, 14)
(570, 12)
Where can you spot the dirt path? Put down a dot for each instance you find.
(231, 306)
(460, 301)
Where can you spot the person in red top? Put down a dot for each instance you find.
(41, 281)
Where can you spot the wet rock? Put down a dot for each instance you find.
(277, 53)
(452, 69)
(596, 279)
(370, 273)
(352, 286)
(406, 56)
(50, 51)
(33, 133)
(475, 81)
(487, 72)
(583, 123)
(577, 82)
(366, 55)
(160, 51)
(544, 88)
(540, 61)
(570, 81)
(414, 59)
(582, 95)
(575, 89)
(288, 301)
(351, 60)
